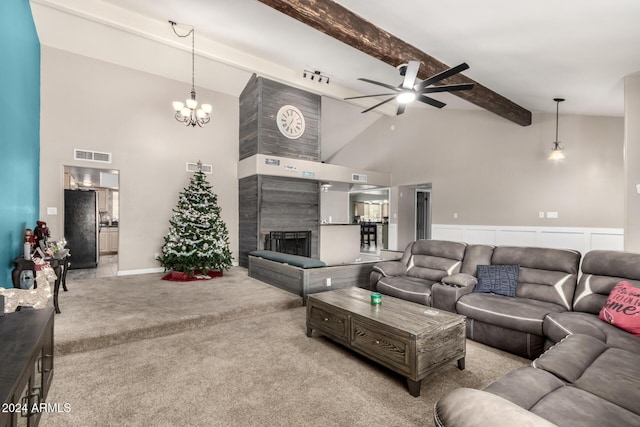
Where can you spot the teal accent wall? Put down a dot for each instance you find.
(19, 130)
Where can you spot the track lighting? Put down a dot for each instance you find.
(316, 75)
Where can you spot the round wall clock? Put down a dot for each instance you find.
(290, 121)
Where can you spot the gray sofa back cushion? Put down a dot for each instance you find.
(601, 271)
(474, 256)
(546, 274)
(434, 259)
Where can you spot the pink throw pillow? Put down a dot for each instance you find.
(622, 308)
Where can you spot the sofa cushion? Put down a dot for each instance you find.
(521, 314)
(601, 271)
(622, 308)
(474, 256)
(545, 274)
(498, 279)
(434, 259)
(589, 364)
(407, 288)
(295, 260)
(558, 325)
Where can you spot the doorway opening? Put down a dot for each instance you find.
(91, 218)
(423, 213)
(370, 209)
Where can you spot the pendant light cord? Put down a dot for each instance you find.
(191, 33)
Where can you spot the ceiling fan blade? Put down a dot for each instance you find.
(368, 96)
(394, 88)
(379, 104)
(430, 101)
(448, 88)
(401, 108)
(410, 74)
(441, 76)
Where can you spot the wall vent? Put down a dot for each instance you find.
(192, 167)
(356, 177)
(91, 156)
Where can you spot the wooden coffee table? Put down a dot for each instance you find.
(408, 338)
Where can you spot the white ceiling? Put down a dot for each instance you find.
(529, 52)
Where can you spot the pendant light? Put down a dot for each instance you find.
(557, 153)
(188, 112)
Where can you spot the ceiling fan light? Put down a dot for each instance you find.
(406, 97)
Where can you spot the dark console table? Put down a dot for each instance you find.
(26, 365)
(22, 264)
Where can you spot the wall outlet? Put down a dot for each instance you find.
(553, 215)
(455, 215)
(328, 281)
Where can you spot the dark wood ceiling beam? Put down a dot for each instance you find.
(347, 27)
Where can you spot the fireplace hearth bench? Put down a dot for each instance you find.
(304, 276)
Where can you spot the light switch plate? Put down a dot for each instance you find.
(52, 211)
(638, 188)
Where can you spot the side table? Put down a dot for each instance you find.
(22, 264)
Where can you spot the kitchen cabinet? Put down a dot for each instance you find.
(109, 240)
(103, 200)
(113, 239)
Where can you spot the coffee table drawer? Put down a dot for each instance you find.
(332, 322)
(385, 347)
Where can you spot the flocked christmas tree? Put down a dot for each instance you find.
(198, 239)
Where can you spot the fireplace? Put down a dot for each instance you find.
(289, 242)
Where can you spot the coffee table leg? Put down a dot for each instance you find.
(309, 331)
(414, 387)
(461, 364)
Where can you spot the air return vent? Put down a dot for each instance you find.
(356, 177)
(192, 167)
(91, 156)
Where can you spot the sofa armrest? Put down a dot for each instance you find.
(465, 407)
(390, 268)
(460, 280)
(445, 297)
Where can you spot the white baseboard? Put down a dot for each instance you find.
(582, 239)
(140, 271)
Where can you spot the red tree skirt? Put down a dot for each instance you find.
(179, 276)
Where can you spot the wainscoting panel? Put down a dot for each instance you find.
(580, 239)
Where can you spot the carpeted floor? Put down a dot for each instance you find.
(234, 353)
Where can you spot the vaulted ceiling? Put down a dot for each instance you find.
(528, 53)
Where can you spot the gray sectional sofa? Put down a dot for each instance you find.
(587, 372)
(442, 274)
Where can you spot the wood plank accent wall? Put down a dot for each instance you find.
(270, 203)
(259, 103)
(249, 218)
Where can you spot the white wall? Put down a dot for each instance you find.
(632, 162)
(492, 172)
(95, 105)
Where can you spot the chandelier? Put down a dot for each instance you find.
(188, 112)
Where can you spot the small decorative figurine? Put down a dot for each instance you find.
(41, 235)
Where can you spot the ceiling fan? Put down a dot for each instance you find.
(412, 89)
